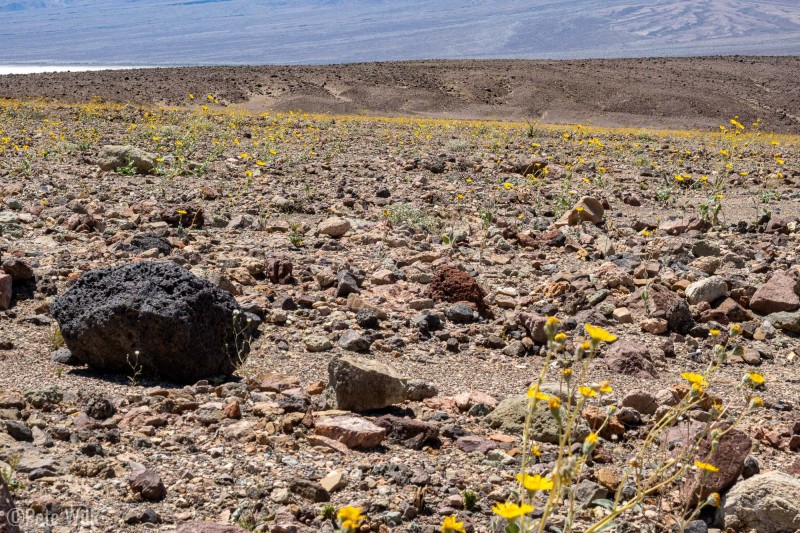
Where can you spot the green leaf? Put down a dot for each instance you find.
(608, 504)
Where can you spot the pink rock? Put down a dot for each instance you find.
(352, 431)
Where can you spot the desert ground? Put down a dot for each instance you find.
(364, 219)
(679, 93)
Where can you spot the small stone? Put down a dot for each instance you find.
(361, 384)
(147, 483)
(19, 431)
(767, 503)
(588, 491)
(335, 480)
(641, 400)
(353, 341)
(317, 343)
(784, 321)
(418, 390)
(587, 209)
(460, 313)
(705, 249)
(654, 326)
(622, 315)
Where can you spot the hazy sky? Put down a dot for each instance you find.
(188, 32)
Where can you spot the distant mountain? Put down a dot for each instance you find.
(193, 32)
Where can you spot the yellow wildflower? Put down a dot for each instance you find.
(588, 392)
(753, 379)
(451, 525)
(605, 388)
(708, 467)
(534, 483)
(511, 511)
(534, 392)
(598, 334)
(694, 379)
(350, 517)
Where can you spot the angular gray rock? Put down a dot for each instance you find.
(767, 503)
(360, 384)
(183, 327)
(509, 417)
(354, 341)
(785, 321)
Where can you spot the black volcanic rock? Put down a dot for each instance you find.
(183, 327)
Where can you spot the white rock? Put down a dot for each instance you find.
(706, 290)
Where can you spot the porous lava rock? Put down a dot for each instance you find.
(451, 284)
(183, 328)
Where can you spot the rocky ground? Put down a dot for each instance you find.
(683, 93)
(354, 243)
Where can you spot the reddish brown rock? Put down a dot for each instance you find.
(147, 483)
(631, 359)
(409, 432)
(472, 444)
(661, 302)
(279, 271)
(352, 431)
(270, 382)
(535, 325)
(233, 410)
(595, 416)
(451, 284)
(643, 401)
(777, 294)
(729, 457)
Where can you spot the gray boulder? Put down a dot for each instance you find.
(183, 328)
(113, 157)
(361, 384)
(509, 417)
(767, 503)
